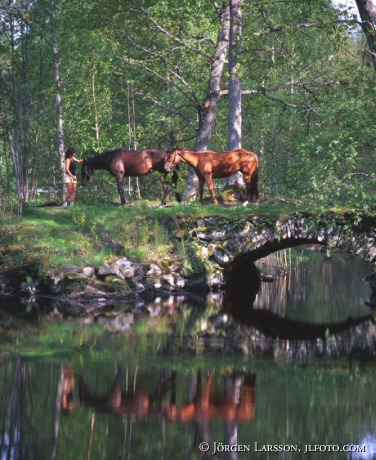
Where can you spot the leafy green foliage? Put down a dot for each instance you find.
(135, 73)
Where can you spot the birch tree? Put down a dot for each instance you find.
(234, 140)
(15, 91)
(208, 114)
(175, 81)
(58, 95)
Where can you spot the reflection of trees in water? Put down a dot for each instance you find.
(76, 407)
(18, 412)
(232, 401)
(146, 412)
(309, 285)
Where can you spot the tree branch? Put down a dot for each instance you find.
(302, 25)
(172, 36)
(288, 84)
(189, 93)
(288, 104)
(164, 107)
(304, 84)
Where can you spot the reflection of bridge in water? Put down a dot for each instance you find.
(242, 286)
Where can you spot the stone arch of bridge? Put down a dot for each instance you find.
(230, 243)
(223, 242)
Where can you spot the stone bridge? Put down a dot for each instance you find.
(228, 248)
(222, 240)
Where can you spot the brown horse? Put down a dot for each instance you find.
(124, 163)
(212, 165)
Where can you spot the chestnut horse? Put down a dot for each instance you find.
(124, 163)
(210, 165)
(235, 401)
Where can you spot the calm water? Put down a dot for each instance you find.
(169, 378)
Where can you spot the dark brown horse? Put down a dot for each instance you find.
(212, 165)
(125, 163)
(139, 403)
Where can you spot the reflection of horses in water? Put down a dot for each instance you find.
(128, 163)
(234, 403)
(67, 395)
(210, 165)
(117, 401)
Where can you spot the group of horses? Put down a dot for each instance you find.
(208, 165)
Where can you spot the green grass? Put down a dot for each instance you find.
(49, 237)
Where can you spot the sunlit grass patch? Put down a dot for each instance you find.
(87, 234)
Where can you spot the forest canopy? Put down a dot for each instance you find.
(157, 73)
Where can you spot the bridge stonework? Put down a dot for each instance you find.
(223, 240)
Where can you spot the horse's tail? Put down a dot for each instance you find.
(254, 185)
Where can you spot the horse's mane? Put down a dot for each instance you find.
(155, 151)
(104, 155)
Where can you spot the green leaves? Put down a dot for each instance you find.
(136, 73)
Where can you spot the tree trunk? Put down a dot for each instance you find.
(367, 12)
(25, 122)
(208, 114)
(235, 183)
(95, 108)
(19, 90)
(58, 97)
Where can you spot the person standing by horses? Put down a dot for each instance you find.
(70, 178)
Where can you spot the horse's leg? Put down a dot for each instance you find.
(114, 396)
(254, 186)
(120, 187)
(165, 190)
(209, 181)
(175, 178)
(248, 186)
(201, 185)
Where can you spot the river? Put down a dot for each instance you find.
(181, 378)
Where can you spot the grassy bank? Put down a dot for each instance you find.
(46, 238)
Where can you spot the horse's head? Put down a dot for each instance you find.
(172, 159)
(86, 173)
